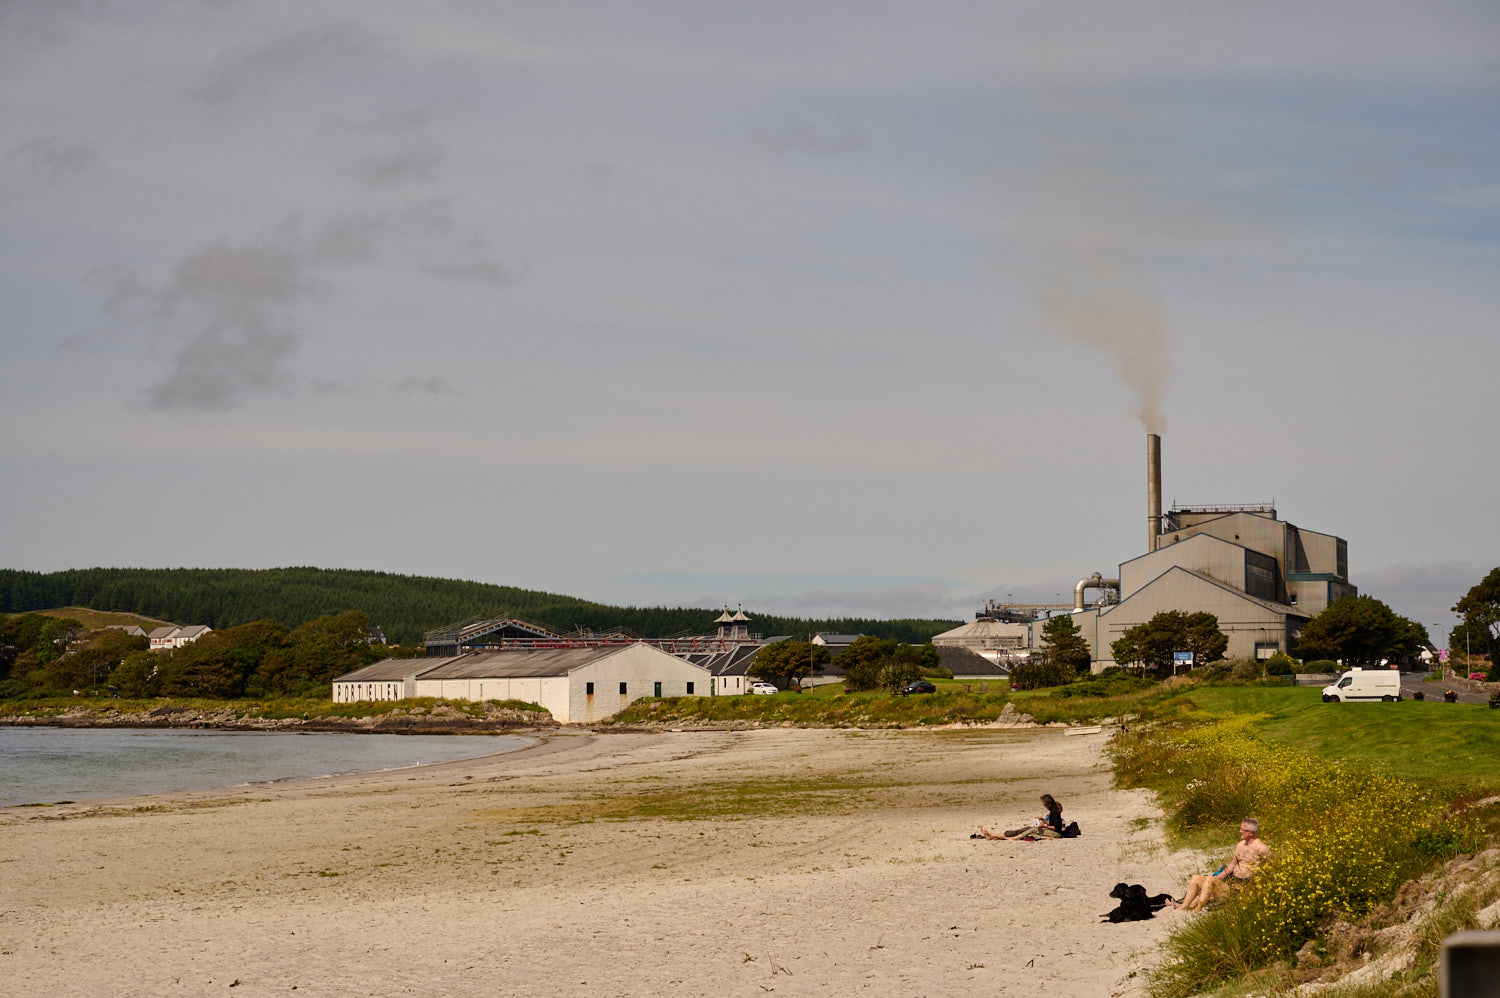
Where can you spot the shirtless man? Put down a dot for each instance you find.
(1248, 855)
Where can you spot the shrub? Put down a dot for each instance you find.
(1321, 665)
(1111, 683)
(1036, 675)
(1244, 669)
(1212, 673)
(1280, 664)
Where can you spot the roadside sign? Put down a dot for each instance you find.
(1182, 658)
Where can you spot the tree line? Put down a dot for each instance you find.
(405, 607)
(44, 656)
(868, 662)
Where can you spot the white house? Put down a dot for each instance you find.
(171, 636)
(576, 685)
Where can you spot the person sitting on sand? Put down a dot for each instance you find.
(1048, 826)
(1248, 855)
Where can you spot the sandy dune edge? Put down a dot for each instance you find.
(787, 862)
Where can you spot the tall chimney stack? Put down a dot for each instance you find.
(1153, 490)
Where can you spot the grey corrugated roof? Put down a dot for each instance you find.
(730, 662)
(964, 662)
(391, 670)
(521, 663)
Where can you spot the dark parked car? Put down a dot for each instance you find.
(920, 686)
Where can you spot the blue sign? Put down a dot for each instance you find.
(1182, 658)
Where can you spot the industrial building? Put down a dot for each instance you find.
(576, 685)
(580, 677)
(1262, 577)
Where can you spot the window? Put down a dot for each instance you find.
(690, 689)
(622, 689)
(589, 689)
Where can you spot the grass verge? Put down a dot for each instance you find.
(1350, 798)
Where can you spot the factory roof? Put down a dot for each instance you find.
(966, 664)
(390, 670)
(523, 663)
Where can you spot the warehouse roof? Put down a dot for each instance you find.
(391, 670)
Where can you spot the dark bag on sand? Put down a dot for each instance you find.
(1070, 831)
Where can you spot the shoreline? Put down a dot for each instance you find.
(440, 720)
(811, 861)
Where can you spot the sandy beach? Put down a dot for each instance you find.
(777, 861)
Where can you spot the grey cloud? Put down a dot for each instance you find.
(600, 174)
(409, 385)
(442, 250)
(227, 311)
(52, 159)
(478, 270)
(928, 599)
(217, 367)
(253, 66)
(423, 386)
(800, 136)
(402, 122)
(347, 240)
(1424, 592)
(411, 166)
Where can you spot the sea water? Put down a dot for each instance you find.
(44, 765)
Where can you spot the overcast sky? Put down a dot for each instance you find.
(819, 307)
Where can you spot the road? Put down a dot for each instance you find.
(1414, 681)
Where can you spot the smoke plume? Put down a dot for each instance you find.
(1097, 298)
(1105, 195)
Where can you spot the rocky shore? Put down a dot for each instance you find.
(441, 719)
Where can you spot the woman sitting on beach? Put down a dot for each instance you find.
(1048, 826)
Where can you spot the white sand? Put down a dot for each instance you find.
(857, 878)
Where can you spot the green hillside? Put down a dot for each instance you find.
(404, 606)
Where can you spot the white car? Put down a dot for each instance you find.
(763, 688)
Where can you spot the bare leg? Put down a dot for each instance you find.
(1206, 887)
(989, 834)
(1195, 895)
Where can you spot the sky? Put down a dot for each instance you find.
(822, 309)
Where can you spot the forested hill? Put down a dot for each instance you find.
(404, 606)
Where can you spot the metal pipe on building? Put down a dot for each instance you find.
(1153, 490)
(1095, 581)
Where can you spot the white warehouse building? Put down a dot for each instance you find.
(576, 685)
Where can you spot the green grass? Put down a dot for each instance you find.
(1354, 799)
(827, 706)
(1449, 748)
(93, 619)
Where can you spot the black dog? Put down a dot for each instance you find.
(1135, 905)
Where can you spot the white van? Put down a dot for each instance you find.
(1364, 684)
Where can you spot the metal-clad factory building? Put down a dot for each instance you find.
(1263, 578)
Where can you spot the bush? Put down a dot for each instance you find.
(1244, 669)
(1036, 675)
(1212, 673)
(1111, 683)
(1280, 664)
(1321, 665)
